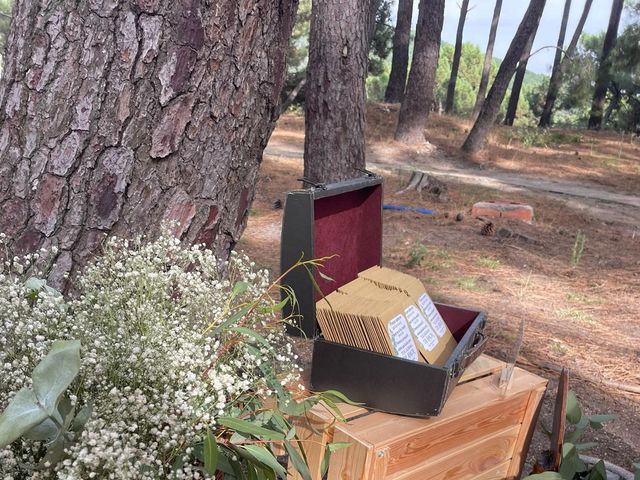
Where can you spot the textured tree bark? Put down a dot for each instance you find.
(335, 91)
(516, 88)
(116, 116)
(604, 75)
(418, 98)
(455, 64)
(488, 59)
(487, 116)
(400, 55)
(558, 74)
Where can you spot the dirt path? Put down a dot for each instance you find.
(583, 196)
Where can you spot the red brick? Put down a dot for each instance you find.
(503, 209)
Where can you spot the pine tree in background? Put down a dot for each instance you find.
(516, 88)
(488, 59)
(489, 111)
(400, 57)
(455, 64)
(604, 71)
(418, 99)
(558, 73)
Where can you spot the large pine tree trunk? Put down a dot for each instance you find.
(603, 76)
(116, 116)
(489, 111)
(558, 73)
(334, 146)
(516, 88)
(400, 55)
(488, 59)
(455, 64)
(422, 77)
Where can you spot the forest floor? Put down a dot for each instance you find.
(582, 315)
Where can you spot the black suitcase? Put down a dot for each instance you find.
(345, 219)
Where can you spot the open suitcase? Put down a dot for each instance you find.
(345, 219)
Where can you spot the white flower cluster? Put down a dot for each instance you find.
(155, 379)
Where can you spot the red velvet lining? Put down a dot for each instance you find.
(457, 319)
(349, 225)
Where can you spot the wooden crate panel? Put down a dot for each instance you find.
(467, 463)
(456, 433)
(497, 473)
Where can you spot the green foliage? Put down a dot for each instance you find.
(417, 255)
(43, 412)
(571, 466)
(5, 20)
(578, 248)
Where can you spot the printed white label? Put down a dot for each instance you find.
(421, 328)
(401, 338)
(432, 314)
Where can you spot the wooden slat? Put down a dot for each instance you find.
(353, 463)
(497, 473)
(468, 463)
(482, 366)
(455, 434)
(313, 443)
(526, 433)
(384, 429)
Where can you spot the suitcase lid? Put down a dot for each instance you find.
(341, 220)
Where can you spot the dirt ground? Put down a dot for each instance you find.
(581, 311)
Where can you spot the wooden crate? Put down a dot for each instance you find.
(483, 433)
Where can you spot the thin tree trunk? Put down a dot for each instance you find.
(516, 88)
(557, 75)
(400, 56)
(488, 59)
(489, 111)
(604, 74)
(292, 95)
(108, 123)
(335, 95)
(418, 99)
(613, 104)
(455, 64)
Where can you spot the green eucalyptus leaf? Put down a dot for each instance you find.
(637, 474)
(238, 289)
(276, 307)
(244, 426)
(337, 397)
(574, 412)
(336, 411)
(335, 446)
(596, 421)
(264, 456)
(35, 284)
(544, 476)
(252, 334)
(324, 466)
(21, 415)
(53, 375)
(298, 462)
(572, 436)
(251, 473)
(598, 472)
(45, 430)
(585, 446)
(210, 453)
(55, 452)
(81, 419)
(234, 318)
(291, 434)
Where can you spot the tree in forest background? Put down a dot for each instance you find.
(488, 59)
(560, 66)
(394, 92)
(603, 76)
(455, 63)
(334, 146)
(487, 116)
(419, 94)
(112, 121)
